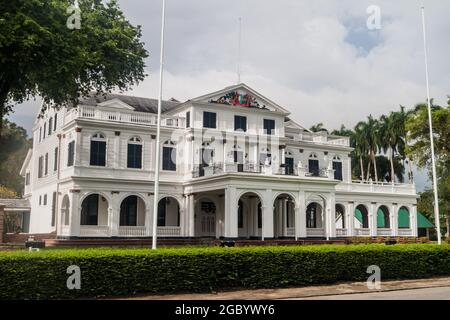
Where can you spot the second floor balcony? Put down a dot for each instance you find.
(100, 113)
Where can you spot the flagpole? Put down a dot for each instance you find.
(158, 132)
(433, 161)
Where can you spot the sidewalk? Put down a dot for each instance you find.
(295, 293)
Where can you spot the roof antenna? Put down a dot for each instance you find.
(239, 53)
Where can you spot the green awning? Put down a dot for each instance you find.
(358, 215)
(423, 222)
(403, 219)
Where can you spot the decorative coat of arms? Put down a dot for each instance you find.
(236, 98)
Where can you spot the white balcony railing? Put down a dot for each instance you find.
(123, 116)
(384, 232)
(360, 232)
(94, 231)
(169, 231)
(377, 187)
(341, 232)
(405, 232)
(290, 232)
(315, 232)
(132, 231)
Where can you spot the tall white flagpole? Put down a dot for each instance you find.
(158, 132)
(433, 161)
(239, 52)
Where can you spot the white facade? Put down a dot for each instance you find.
(222, 181)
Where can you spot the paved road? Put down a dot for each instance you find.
(441, 293)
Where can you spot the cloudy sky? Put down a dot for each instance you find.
(317, 58)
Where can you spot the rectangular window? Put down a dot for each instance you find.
(44, 131)
(188, 119)
(209, 120)
(314, 168)
(169, 159)
(337, 167)
(71, 154)
(40, 134)
(27, 179)
(98, 153)
(46, 164)
(240, 123)
(53, 209)
(40, 166)
(40, 200)
(45, 199)
(134, 159)
(55, 123)
(50, 126)
(55, 160)
(289, 167)
(269, 126)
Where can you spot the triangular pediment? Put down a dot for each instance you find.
(241, 96)
(116, 104)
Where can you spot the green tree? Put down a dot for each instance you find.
(14, 147)
(420, 150)
(391, 139)
(317, 128)
(40, 55)
(369, 136)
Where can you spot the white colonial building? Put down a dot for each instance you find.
(233, 165)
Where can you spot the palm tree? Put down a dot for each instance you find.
(369, 134)
(390, 134)
(360, 147)
(318, 128)
(402, 117)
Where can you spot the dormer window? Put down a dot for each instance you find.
(134, 155)
(98, 150)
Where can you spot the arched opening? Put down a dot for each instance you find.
(206, 218)
(314, 216)
(404, 218)
(284, 216)
(361, 217)
(383, 219)
(132, 212)
(168, 212)
(65, 210)
(340, 216)
(94, 211)
(249, 215)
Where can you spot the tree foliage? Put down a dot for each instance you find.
(40, 55)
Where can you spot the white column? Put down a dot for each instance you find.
(191, 214)
(267, 215)
(75, 211)
(114, 215)
(350, 219)
(331, 215)
(231, 221)
(148, 215)
(413, 221)
(300, 216)
(394, 220)
(373, 219)
(117, 152)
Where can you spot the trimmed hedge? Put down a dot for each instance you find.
(109, 272)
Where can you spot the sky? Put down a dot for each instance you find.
(316, 58)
